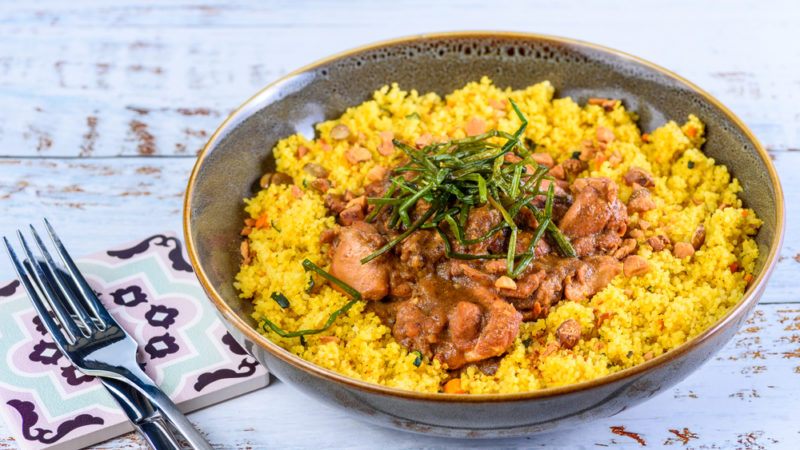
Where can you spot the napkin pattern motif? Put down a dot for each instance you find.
(150, 288)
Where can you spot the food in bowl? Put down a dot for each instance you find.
(492, 241)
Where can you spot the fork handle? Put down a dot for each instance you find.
(136, 378)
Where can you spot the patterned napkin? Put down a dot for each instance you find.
(153, 293)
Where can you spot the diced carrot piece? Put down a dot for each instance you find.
(691, 132)
(744, 213)
(748, 278)
(454, 387)
(261, 222)
(735, 267)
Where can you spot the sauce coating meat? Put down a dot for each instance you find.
(455, 309)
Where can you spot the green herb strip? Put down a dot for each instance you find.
(418, 359)
(461, 174)
(310, 266)
(280, 299)
(310, 285)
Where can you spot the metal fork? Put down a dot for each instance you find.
(89, 337)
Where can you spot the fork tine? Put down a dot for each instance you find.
(69, 325)
(83, 288)
(33, 294)
(55, 275)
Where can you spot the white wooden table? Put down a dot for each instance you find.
(105, 104)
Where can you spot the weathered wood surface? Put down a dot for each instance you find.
(128, 77)
(105, 104)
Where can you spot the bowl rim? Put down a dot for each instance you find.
(749, 299)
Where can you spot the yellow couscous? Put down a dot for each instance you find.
(629, 321)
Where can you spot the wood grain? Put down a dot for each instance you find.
(105, 105)
(131, 78)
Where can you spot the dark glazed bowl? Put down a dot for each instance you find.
(238, 153)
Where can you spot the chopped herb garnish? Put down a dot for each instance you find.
(272, 222)
(280, 299)
(303, 341)
(308, 265)
(299, 333)
(413, 115)
(690, 164)
(418, 359)
(454, 177)
(650, 289)
(310, 285)
(527, 342)
(576, 155)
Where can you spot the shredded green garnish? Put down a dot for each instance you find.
(454, 177)
(272, 222)
(280, 299)
(308, 265)
(413, 115)
(310, 285)
(418, 359)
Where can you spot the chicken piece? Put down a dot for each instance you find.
(464, 323)
(479, 222)
(353, 243)
(573, 167)
(501, 328)
(335, 203)
(636, 175)
(626, 248)
(635, 265)
(590, 276)
(422, 249)
(569, 333)
(480, 325)
(351, 215)
(595, 208)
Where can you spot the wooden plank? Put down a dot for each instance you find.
(88, 81)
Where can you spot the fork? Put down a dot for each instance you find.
(89, 337)
(141, 413)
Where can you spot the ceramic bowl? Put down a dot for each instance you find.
(239, 152)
